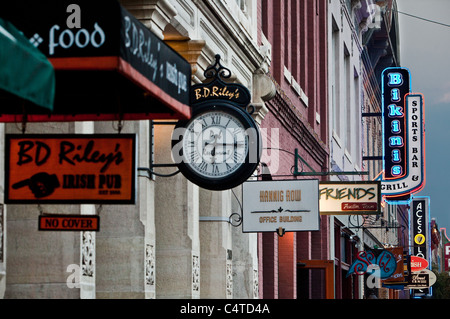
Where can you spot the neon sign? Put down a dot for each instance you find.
(404, 136)
(420, 230)
(396, 84)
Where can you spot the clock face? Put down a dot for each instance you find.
(215, 144)
(219, 148)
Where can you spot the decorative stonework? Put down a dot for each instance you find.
(150, 265)
(195, 273)
(87, 254)
(154, 14)
(2, 222)
(229, 279)
(255, 284)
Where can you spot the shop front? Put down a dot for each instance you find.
(77, 220)
(108, 66)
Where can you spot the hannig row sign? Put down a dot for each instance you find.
(289, 205)
(70, 168)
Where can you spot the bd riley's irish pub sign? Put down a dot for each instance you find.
(52, 169)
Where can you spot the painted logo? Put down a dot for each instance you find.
(418, 263)
(364, 259)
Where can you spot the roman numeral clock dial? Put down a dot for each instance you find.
(220, 147)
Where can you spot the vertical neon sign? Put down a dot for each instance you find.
(395, 85)
(420, 234)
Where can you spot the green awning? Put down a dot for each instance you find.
(24, 70)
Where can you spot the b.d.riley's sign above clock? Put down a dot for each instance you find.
(220, 146)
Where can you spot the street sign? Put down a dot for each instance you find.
(69, 223)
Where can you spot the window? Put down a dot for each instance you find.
(335, 80)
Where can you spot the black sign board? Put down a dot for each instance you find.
(419, 210)
(419, 280)
(419, 233)
(217, 90)
(93, 36)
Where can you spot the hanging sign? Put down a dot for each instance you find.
(419, 231)
(69, 223)
(365, 260)
(350, 198)
(403, 136)
(414, 180)
(420, 238)
(395, 85)
(418, 263)
(271, 206)
(70, 169)
(421, 280)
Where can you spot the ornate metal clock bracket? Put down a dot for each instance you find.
(216, 88)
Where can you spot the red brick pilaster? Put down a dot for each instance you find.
(287, 272)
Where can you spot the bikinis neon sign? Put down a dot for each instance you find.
(404, 135)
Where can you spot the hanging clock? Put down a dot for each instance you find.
(219, 148)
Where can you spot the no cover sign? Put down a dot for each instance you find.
(70, 169)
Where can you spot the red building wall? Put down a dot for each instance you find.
(297, 31)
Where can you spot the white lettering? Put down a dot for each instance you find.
(85, 33)
(70, 36)
(100, 32)
(67, 38)
(141, 47)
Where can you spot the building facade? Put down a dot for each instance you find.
(313, 69)
(297, 120)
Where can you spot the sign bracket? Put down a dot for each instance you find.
(231, 219)
(314, 173)
(149, 172)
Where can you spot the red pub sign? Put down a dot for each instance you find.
(84, 168)
(69, 223)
